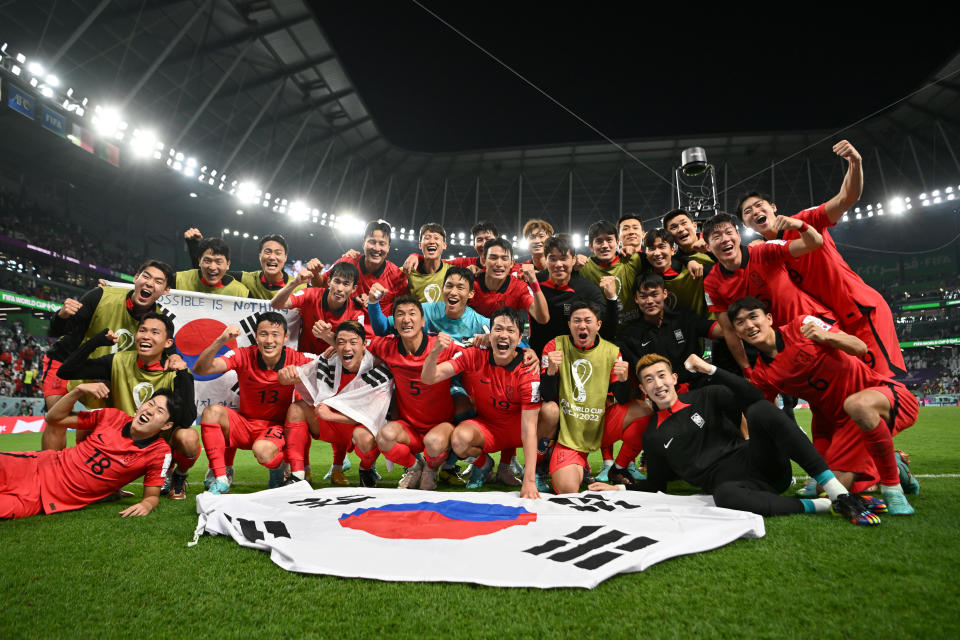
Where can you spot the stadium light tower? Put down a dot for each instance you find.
(696, 184)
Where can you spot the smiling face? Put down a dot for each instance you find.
(455, 295)
(153, 416)
(659, 254)
(408, 321)
(272, 258)
(481, 239)
(755, 327)
(683, 230)
(376, 246)
(651, 302)
(504, 338)
(758, 214)
(148, 286)
(604, 246)
(152, 339)
(350, 349)
(535, 240)
(660, 384)
(270, 339)
(631, 232)
(584, 326)
(498, 263)
(213, 266)
(339, 290)
(560, 266)
(432, 245)
(724, 242)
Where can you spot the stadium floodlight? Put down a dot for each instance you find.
(256, 237)
(52, 80)
(33, 82)
(246, 192)
(524, 244)
(299, 210)
(15, 69)
(211, 181)
(193, 194)
(143, 143)
(3, 48)
(236, 233)
(576, 241)
(936, 192)
(859, 216)
(239, 212)
(462, 235)
(948, 190)
(21, 58)
(177, 166)
(46, 92)
(226, 230)
(35, 68)
(106, 121)
(179, 156)
(70, 92)
(246, 235)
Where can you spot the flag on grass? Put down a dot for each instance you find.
(490, 538)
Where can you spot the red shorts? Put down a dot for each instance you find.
(565, 456)
(335, 432)
(496, 438)
(244, 431)
(53, 385)
(20, 485)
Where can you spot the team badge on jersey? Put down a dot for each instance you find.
(697, 420)
(678, 334)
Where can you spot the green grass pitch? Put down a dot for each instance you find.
(91, 574)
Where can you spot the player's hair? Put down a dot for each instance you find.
(650, 237)
(345, 270)
(651, 359)
(649, 280)
(377, 225)
(463, 272)
(536, 224)
(274, 237)
(168, 273)
(483, 225)
(273, 317)
(352, 326)
(174, 407)
(162, 317)
(503, 243)
(716, 221)
(604, 227)
(434, 227)
(751, 194)
(510, 314)
(747, 303)
(586, 304)
(629, 216)
(216, 246)
(670, 215)
(560, 242)
(407, 299)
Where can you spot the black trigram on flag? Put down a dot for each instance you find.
(377, 375)
(313, 503)
(252, 532)
(249, 326)
(594, 551)
(594, 502)
(325, 371)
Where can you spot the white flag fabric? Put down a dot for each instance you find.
(200, 318)
(365, 399)
(489, 538)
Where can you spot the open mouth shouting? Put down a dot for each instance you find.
(142, 295)
(431, 250)
(502, 346)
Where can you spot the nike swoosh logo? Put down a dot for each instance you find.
(484, 381)
(668, 443)
(643, 344)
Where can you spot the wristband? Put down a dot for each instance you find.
(713, 370)
(804, 227)
(535, 286)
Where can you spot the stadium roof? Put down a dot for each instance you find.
(255, 90)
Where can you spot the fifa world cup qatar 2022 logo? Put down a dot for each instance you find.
(580, 370)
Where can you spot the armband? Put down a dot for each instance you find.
(535, 286)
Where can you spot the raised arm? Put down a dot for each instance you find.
(60, 412)
(852, 187)
(78, 366)
(433, 372)
(281, 299)
(539, 310)
(809, 240)
(206, 363)
(834, 337)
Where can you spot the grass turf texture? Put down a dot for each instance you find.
(90, 573)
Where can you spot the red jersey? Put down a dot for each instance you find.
(261, 396)
(389, 275)
(313, 306)
(499, 393)
(762, 274)
(512, 293)
(819, 373)
(421, 404)
(107, 460)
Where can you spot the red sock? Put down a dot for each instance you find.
(306, 452)
(296, 436)
(183, 462)
(480, 461)
(215, 444)
(229, 455)
(434, 462)
(400, 454)
(368, 459)
(339, 453)
(606, 452)
(506, 456)
(275, 461)
(632, 441)
(880, 446)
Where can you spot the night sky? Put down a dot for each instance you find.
(632, 76)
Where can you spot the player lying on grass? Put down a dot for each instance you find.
(586, 400)
(349, 396)
(506, 396)
(119, 450)
(694, 438)
(134, 375)
(856, 410)
(258, 424)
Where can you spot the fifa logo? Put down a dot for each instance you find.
(141, 393)
(432, 292)
(580, 370)
(124, 341)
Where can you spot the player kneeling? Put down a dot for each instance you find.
(694, 438)
(506, 395)
(119, 450)
(258, 424)
(350, 396)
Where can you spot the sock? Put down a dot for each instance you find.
(506, 456)
(274, 462)
(339, 453)
(215, 444)
(183, 462)
(296, 435)
(830, 484)
(400, 454)
(299, 474)
(306, 452)
(808, 506)
(880, 446)
(632, 441)
(434, 462)
(368, 459)
(607, 453)
(336, 467)
(481, 461)
(229, 455)
(816, 505)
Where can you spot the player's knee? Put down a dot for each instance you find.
(548, 419)
(566, 482)
(727, 496)
(460, 441)
(215, 413)
(187, 442)
(434, 443)
(856, 407)
(363, 440)
(387, 436)
(265, 451)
